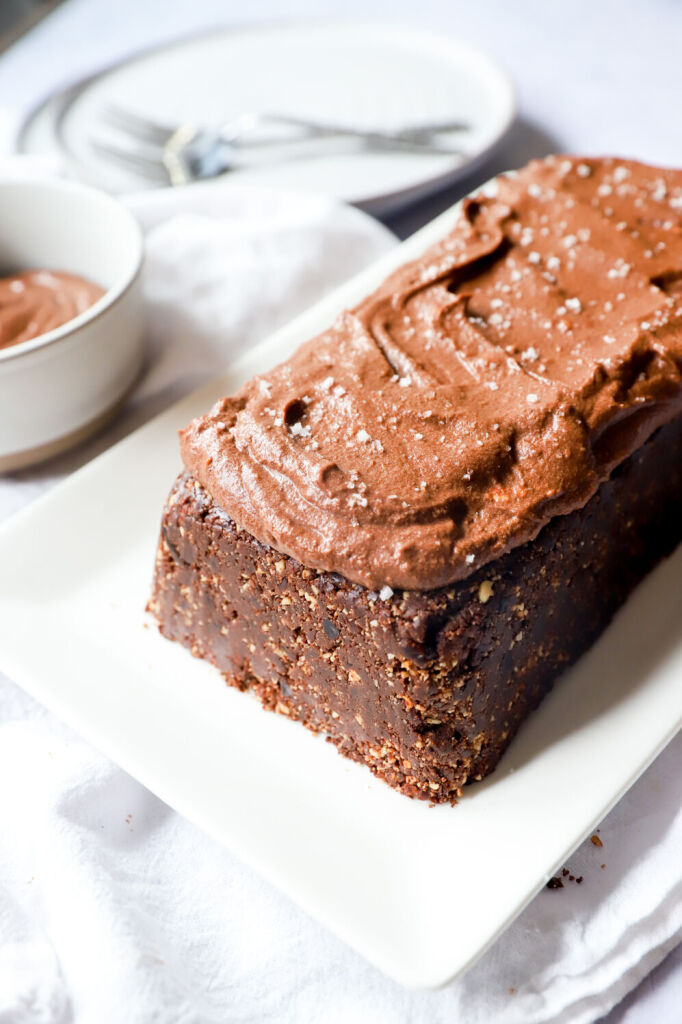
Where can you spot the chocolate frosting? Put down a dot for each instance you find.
(480, 391)
(37, 301)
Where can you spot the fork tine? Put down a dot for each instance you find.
(142, 128)
(150, 166)
(434, 128)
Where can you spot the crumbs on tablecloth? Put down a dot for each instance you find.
(557, 881)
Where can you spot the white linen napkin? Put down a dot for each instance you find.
(114, 909)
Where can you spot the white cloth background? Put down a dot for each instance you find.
(114, 910)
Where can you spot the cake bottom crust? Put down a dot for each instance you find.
(427, 688)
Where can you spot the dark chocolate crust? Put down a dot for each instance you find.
(427, 688)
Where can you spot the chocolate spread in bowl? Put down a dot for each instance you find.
(37, 301)
(483, 389)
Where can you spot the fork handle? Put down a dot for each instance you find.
(415, 139)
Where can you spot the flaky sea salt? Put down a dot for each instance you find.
(386, 593)
(660, 191)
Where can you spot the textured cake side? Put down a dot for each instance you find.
(426, 688)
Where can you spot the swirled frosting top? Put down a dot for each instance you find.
(37, 301)
(481, 390)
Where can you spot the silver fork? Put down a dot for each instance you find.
(185, 153)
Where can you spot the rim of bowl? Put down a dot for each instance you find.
(111, 295)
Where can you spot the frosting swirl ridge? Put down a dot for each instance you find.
(37, 301)
(481, 390)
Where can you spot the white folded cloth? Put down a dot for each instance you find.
(114, 909)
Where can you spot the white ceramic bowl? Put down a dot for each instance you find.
(59, 387)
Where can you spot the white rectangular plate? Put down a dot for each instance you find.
(419, 890)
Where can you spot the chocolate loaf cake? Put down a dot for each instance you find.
(402, 535)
